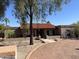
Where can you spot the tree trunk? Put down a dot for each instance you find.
(31, 18)
(37, 36)
(6, 31)
(31, 29)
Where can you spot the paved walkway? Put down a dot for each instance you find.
(65, 49)
(23, 47)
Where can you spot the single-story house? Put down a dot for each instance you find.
(64, 31)
(41, 29)
(38, 29)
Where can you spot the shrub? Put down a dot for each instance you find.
(1, 27)
(9, 33)
(76, 30)
(77, 33)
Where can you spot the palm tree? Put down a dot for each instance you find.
(6, 21)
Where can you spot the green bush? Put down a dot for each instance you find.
(1, 27)
(76, 30)
(9, 33)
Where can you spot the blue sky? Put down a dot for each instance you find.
(68, 15)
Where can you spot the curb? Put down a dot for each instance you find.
(28, 56)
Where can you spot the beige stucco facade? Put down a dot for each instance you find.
(64, 31)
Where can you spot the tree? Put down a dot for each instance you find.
(3, 7)
(48, 22)
(36, 8)
(76, 29)
(6, 20)
(22, 22)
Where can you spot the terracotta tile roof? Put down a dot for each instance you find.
(43, 26)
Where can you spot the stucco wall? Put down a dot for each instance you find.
(64, 30)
